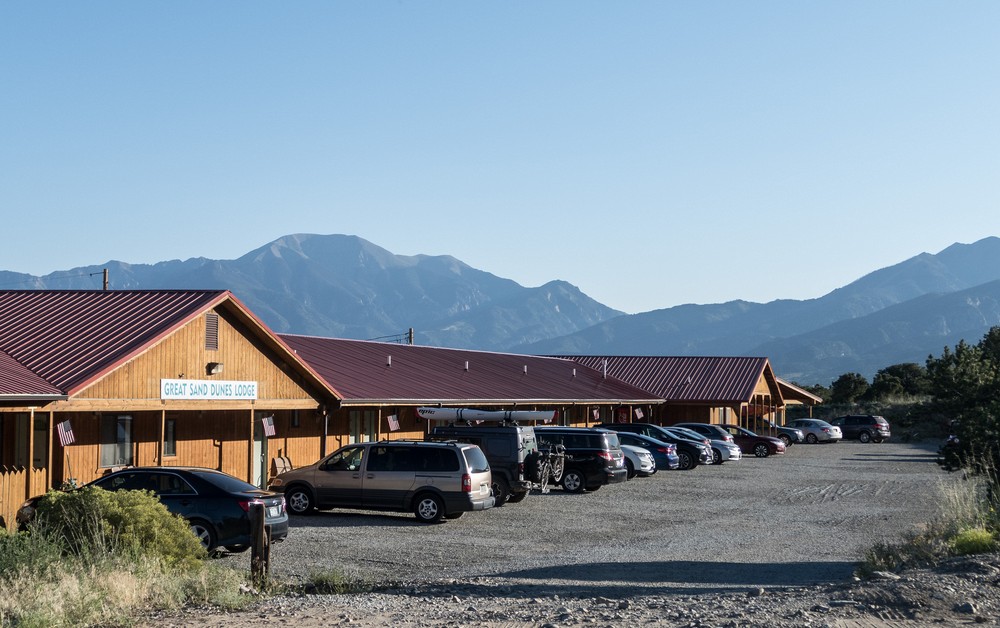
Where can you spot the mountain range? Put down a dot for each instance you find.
(347, 287)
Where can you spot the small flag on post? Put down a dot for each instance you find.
(393, 422)
(65, 433)
(268, 426)
(638, 413)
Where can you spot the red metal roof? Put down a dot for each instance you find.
(377, 372)
(16, 381)
(685, 379)
(70, 337)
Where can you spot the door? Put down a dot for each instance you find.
(338, 480)
(259, 451)
(389, 476)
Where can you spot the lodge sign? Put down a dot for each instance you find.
(211, 390)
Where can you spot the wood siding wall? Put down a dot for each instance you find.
(183, 356)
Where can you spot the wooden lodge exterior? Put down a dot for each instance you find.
(381, 385)
(94, 380)
(145, 378)
(738, 390)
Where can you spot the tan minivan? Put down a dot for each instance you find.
(430, 479)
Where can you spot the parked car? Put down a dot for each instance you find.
(664, 454)
(638, 461)
(864, 427)
(691, 453)
(593, 456)
(215, 504)
(711, 430)
(753, 443)
(818, 431)
(722, 450)
(786, 433)
(430, 479)
(509, 449)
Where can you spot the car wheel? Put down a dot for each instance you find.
(811, 438)
(300, 501)
(517, 497)
(761, 450)
(686, 462)
(877, 439)
(865, 437)
(785, 438)
(573, 481)
(629, 469)
(205, 534)
(716, 456)
(236, 549)
(428, 508)
(501, 491)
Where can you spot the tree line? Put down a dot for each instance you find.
(962, 384)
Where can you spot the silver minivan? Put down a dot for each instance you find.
(430, 479)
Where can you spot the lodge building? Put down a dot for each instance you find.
(95, 380)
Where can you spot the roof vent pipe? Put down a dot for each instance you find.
(388, 360)
(574, 372)
(605, 368)
(525, 369)
(466, 365)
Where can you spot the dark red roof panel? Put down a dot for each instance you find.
(70, 337)
(690, 379)
(366, 371)
(18, 381)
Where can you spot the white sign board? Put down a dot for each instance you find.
(207, 389)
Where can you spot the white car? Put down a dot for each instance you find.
(722, 450)
(818, 431)
(638, 461)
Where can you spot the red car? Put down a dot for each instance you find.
(753, 443)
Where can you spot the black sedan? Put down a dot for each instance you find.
(215, 504)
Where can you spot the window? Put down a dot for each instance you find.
(116, 440)
(170, 437)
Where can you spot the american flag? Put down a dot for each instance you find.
(65, 433)
(268, 426)
(393, 422)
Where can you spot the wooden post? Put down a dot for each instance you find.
(260, 550)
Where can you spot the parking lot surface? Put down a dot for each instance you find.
(800, 518)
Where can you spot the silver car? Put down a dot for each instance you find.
(818, 431)
(432, 480)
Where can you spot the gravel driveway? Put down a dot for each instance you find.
(757, 543)
(799, 518)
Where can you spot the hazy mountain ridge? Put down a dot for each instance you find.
(345, 286)
(811, 341)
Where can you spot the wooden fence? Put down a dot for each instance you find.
(14, 483)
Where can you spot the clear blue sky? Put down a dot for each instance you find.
(650, 153)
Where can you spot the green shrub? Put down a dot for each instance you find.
(92, 522)
(973, 541)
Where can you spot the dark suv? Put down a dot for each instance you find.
(864, 427)
(691, 453)
(593, 457)
(507, 447)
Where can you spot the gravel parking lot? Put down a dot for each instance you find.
(800, 518)
(761, 542)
